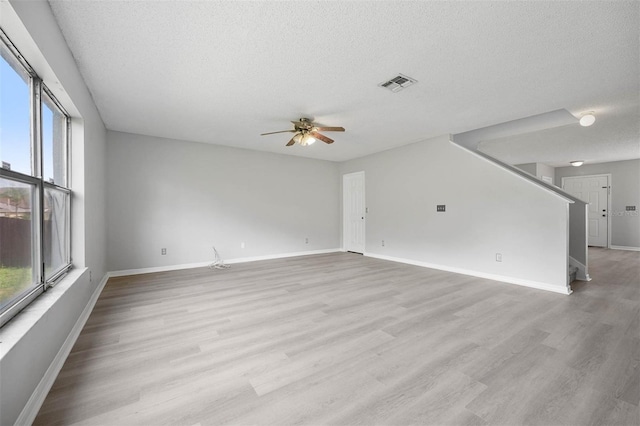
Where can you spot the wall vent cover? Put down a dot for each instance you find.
(398, 83)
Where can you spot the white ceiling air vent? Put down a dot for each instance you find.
(398, 83)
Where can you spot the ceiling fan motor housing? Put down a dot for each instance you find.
(306, 132)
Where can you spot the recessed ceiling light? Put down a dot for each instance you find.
(587, 119)
(577, 163)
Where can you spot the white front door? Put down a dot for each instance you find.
(593, 190)
(353, 212)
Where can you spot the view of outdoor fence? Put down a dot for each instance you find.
(15, 251)
(17, 232)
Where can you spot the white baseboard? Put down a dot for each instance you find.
(280, 256)
(33, 405)
(625, 248)
(526, 283)
(139, 271)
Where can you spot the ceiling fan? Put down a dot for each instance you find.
(306, 132)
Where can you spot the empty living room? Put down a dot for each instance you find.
(319, 212)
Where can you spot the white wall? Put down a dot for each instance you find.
(538, 170)
(489, 210)
(531, 168)
(578, 240)
(543, 170)
(34, 337)
(188, 197)
(625, 191)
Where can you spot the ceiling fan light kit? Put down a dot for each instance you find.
(304, 139)
(306, 132)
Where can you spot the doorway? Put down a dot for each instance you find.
(353, 223)
(596, 191)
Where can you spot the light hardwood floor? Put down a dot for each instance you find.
(341, 339)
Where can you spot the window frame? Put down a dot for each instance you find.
(21, 300)
(67, 136)
(61, 271)
(37, 92)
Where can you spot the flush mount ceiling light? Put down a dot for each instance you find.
(587, 119)
(576, 163)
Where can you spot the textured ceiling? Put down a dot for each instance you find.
(223, 72)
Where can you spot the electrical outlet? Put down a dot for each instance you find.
(306, 240)
(382, 243)
(163, 251)
(498, 257)
(90, 277)
(242, 245)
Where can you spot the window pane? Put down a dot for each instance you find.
(53, 143)
(16, 240)
(56, 232)
(15, 115)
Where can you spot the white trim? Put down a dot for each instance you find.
(139, 271)
(568, 243)
(33, 405)
(532, 123)
(280, 256)
(609, 201)
(629, 248)
(345, 219)
(551, 189)
(511, 280)
(583, 271)
(609, 209)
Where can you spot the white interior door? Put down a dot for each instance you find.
(353, 227)
(593, 190)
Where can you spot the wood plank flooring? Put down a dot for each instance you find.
(341, 339)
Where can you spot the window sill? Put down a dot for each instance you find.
(20, 325)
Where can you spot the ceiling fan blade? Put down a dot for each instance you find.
(330, 129)
(291, 142)
(323, 138)
(273, 133)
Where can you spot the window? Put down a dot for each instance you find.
(56, 230)
(34, 196)
(54, 130)
(17, 232)
(15, 115)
